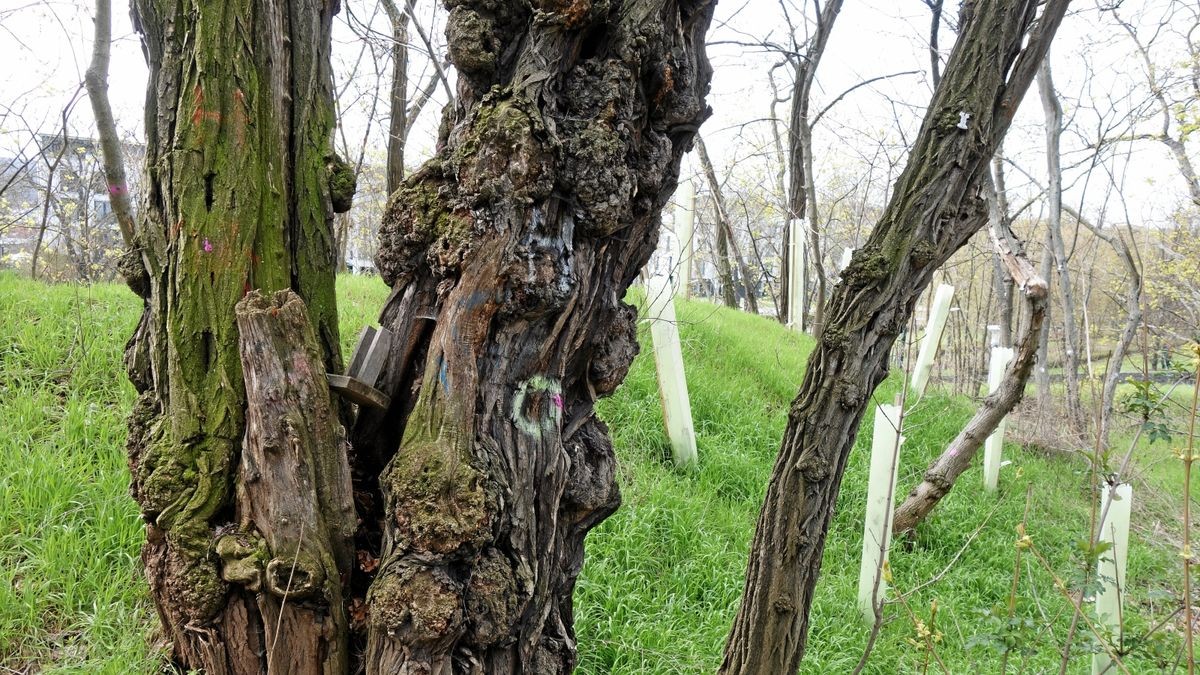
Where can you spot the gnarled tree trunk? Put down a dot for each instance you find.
(238, 197)
(508, 254)
(934, 209)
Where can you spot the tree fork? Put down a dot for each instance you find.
(934, 209)
(508, 254)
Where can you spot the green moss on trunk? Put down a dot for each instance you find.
(239, 125)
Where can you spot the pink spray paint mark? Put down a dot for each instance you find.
(558, 403)
(117, 190)
(207, 247)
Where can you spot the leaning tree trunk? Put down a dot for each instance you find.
(96, 81)
(238, 197)
(724, 266)
(939, 478)
(1133, 319)
(934, 209)
(508, 254)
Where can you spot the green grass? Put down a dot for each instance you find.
(662, 576)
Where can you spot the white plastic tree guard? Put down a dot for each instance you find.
(685, 226)
(847, 255)
(797, 263)
(993, 446)
(1114, 529)
(668, 360)
(933, 337)
(877, 526)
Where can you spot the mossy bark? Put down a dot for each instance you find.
(238, 129)
(508, 254)
(934, 209)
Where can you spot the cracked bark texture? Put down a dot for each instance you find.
(508, 254)
(934, 209)
(238, 197)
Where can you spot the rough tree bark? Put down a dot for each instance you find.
(239, 194)
(935, 207)
(1053, 111)
(508, 254)
(939, 478)
(726, 227)
(293, 543)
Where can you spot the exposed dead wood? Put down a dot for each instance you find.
(944, 471)
(292, 548)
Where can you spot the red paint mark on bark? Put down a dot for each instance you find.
(239, 116)
(197, 104)
(200, 115)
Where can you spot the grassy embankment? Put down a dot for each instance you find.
(663, 575)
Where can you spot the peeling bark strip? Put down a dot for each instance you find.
(508, 254)
(239, 118)
(294, 543)
(934, 209)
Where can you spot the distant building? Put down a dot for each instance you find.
(61, 185)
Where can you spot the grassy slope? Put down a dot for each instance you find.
(662, 576)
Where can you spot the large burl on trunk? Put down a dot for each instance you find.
(508, 254)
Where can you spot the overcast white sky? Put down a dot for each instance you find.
(46, 47)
